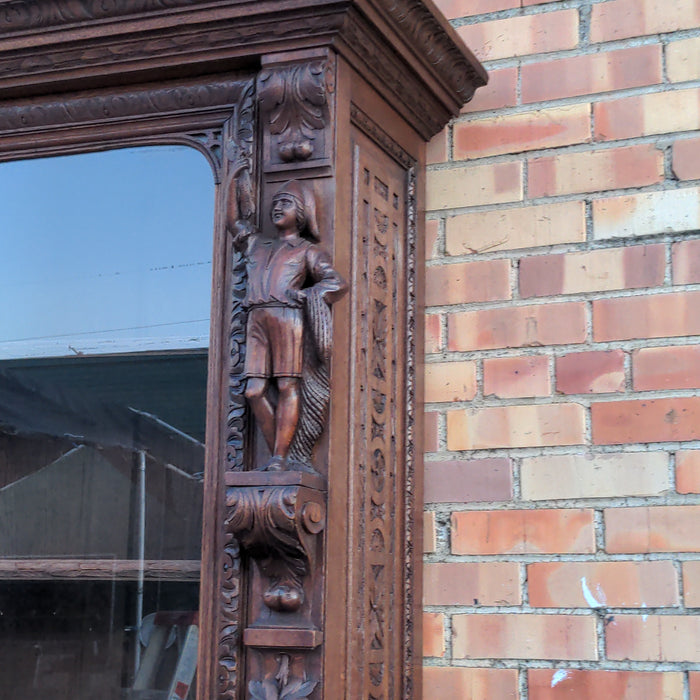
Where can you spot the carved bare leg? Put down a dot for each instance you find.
(256, 393)
(287, 416)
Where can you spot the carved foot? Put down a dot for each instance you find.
(284, 597)
(276, 464)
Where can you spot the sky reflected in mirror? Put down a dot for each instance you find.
(106, 253)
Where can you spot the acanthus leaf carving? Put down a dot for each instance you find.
(282, 686)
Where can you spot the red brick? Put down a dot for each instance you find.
(550, 477)
(573, 684)
(691, 583)
(591, 73)
(595, 271)
(643, 115)
(429, 533)
(468, 481)
(595, 372)
(666, 368)
(686, 159)
(512, 377)
(694, 685)
(610, 169)
(683, 59)
(526, 131)
(541, 425)
(453, 9)
(646, 213)
(648, 316)
(433, 333)
(524, 637)
(470, 683)
(567, 530)
(433, 634)
(688, 471)
(436, 150)
(523, 35)
(655, 420)
(654, 638)
(464, 283)
(431, 431)
(432, 232)
(500, 92)
(619, 19)
(652, 529)
(471, 583)
(686, 262)
(510, 229)
(450, 381)
(611, 584)
(520, 326)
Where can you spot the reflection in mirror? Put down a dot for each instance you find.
(106, 277)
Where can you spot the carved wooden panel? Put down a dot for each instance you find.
(384, 262)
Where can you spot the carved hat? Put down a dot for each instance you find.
(305, 199)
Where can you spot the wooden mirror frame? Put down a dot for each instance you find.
(341, 95)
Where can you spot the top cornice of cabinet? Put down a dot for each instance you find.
(51, 46)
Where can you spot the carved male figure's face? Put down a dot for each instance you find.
(286, 214)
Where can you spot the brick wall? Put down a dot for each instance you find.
(563, 364)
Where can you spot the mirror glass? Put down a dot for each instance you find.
(105, 280)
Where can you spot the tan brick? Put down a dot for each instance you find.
(431, 431)
(470, 683)
(474, 186)
(595, 271)
(433, 333)
(619, 19)
(464, 8)
(666, 368)
(654, 420)
(524, 637)
(432, 232)
(668, 211)
(520, 326)
(512, 377)
(691, 583)
(648, 316)
(591, 73)
(501, 91)
(526, 131)
(464, 283)
(450, 381)
(686, 262)
(468, 480)
(429, 533)
(595, 476)
(686, 159)
(471, 583)
(520, 36)
(688, 471)
(433, 634)
(511, 229)
(643, 115)
(683, 60)
(573, 684)
(562, 531)
(594, 372)
(610, 584)
(516, 426)
(654, 638)
(610, 169)
(652, 529)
